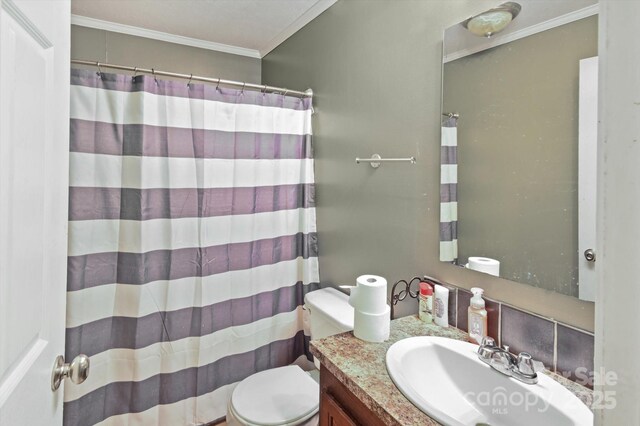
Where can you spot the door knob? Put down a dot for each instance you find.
(77, 371)
(590, 255)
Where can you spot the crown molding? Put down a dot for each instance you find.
(296, 25)
(525, 32)
(99, 24)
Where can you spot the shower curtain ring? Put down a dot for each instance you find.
(264, 90)
(285, 93)
(189, 82)
(135, 73)
(99, 73)
(153, 72)
(218, 85)
(242, 91)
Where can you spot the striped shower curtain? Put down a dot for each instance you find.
(192, 242)
(449, 190)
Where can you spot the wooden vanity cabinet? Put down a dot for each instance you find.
(340, 407)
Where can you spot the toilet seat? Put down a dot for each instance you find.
(279, 396)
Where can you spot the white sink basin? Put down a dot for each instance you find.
(445, 379)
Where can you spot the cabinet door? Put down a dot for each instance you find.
(332, 413)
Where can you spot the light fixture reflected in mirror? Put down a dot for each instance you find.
(494, 20)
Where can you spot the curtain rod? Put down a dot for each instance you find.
(261, 87)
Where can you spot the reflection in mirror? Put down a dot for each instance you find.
(511, 146)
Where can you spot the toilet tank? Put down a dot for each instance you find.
(329, 312)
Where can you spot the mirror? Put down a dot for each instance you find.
(517, 122)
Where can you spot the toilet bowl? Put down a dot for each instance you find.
(279, 396)
(289, 396)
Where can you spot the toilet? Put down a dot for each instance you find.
(290, 396)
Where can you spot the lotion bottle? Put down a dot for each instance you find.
(441, 308)
(477, 317)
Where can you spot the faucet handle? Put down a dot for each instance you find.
(526, 369)
(488, 342)
(486, 349)
(525, 363)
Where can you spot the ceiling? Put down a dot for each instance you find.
(246, 27)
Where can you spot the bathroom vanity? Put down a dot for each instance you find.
(356, 388)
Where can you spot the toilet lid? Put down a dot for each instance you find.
(276, 396)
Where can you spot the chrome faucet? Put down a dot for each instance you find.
(522, 367)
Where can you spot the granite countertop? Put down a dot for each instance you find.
(365, 374)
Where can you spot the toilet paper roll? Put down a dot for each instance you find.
(484, 264)
(372, 327)
(369, 295)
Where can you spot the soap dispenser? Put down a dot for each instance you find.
(477, 317)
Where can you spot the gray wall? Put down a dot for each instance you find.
(375, 67)
(518, 153)
(122, 49)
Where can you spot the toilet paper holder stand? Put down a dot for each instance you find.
(405, 290)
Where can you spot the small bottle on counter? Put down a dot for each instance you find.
(477, 317)
(441, 308)
(425, 307)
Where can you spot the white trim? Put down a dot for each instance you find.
(99, 24)
(618, 208)
(525, 32)
(308, 16)
(587, 175)
(14, 11)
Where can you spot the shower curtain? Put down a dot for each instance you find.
(449, 190)
(192, 242)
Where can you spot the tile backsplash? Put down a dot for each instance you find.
(561, 348)
(523, 332)
(574, 348)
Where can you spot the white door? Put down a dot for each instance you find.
(34, 139)
(587, 177)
